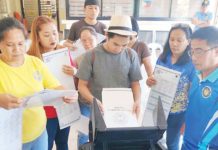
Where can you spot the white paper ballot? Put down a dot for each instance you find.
(47, 98)
(149, 119)
(81, 125)
(11, 129)
(67, 114)
(79, 50)
(167, 82)
(118, 107)
(100, 38)
(55, 61)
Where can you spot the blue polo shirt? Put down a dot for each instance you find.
(203, 17)
(201, 129)
(187, 70)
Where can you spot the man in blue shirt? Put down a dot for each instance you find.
(201, 132)
(203, 17)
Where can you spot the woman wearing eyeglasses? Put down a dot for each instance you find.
(175, 56)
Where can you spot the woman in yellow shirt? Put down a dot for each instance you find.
(23, 75)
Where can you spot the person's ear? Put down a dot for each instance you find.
(0, 46)
(106, 35)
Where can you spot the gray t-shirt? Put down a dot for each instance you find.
(75, 29)
(109, 70)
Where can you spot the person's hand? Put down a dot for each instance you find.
(151, 81)
(8, 101)
(136, 108)
(203, 24)
(100, 106)
(70, 70)
(71, 99)
(70, 45)
(60, 46)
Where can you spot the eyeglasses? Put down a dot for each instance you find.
(198, 51)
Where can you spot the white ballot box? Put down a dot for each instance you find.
(140, 137)
(118, 110)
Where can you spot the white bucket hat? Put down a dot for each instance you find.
(121, 25)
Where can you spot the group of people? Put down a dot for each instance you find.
(113, 63)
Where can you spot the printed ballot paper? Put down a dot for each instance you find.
(55, 61)
(11, 129)
(165, 88)
(47, 98)
(118, 108)
(79, 49)
(67, 113)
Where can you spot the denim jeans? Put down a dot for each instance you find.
(55, 134)
(174, 124)
(86, 111)
(41, 143)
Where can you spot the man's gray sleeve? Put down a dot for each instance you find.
(85, 69)
(135, 72)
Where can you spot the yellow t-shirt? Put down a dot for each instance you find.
(25, 80)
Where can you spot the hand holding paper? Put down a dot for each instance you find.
(70, 45)
(119, 106)
(70, 70)
(71, 99)
(8, 101)
(100, 105)
(136, 109)
(151, 81)
(49, 98)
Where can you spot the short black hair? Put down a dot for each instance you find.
(91, 2)
(90, 29)
(208, 34)
(9, 23)
(135, 26)
(205, 3)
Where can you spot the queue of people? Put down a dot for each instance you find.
(115, 63)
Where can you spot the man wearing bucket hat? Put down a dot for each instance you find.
(91, 11)
(111, 64)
